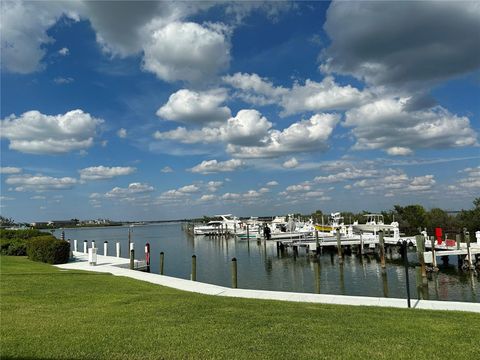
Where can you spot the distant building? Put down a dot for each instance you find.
(39, 224)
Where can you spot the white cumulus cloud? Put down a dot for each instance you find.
(214, 166)
(302, 136)
(248, 127)
(10, 170)
(312, 96)
(104, 172)
(166, 169)
(387, 124)
(40, 182)
(132, 189)
(36, 133)
(187, 51)
(196, 107)
(290, 163)
(122, 133)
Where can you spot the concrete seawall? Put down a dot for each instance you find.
(119, 267)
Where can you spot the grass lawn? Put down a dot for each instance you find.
(47, 313)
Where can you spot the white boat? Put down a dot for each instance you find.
(291, 229)
(374, 224)
(254, 228)
(227, 224)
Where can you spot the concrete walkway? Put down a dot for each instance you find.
(119, 267)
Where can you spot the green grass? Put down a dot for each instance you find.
(54, 314)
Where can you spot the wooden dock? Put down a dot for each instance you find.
(428, 250)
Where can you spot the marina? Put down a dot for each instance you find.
(118, 267)
(263, 265)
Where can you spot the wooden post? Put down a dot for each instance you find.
(361, 243)
(234, 273)
(193, 276)
(132, 259)
(385, 283)
(129, 237)
(93, 244)
(469, 252)
(105, 248)
(117, 248)
(418, 281)
(382, 248)
(434, 258)
(339, 247)
(317, 242)
(458, 239)
(248, 234)
(75, 245)
(85, 246)
(162, 255)
(420, 240)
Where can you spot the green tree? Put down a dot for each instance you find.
(438, 218)
(470, 219)
(4, 221)
(411, 218)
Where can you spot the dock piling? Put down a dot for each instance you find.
(382, 248)
(132, 259)
(193, 275)
(405, 262)
(234, 273)
(420, 240)
(85, 246)
(434, 258)
(117, 248)
(105, 248)
(339, 247)
(458, 239)
(162, 256)
(469, 252)
(147, 256)
(75, 245)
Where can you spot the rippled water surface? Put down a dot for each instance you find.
(261, 267)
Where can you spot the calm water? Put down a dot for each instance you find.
(260, 267)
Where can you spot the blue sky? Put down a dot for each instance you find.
(155, 110)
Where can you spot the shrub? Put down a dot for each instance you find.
(14, 242)
(21, 234)
(48, 249)
(13, 247)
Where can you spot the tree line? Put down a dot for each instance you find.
(414, 218)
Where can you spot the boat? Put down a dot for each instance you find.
(290, 229)
(254, 229)
(226, 224)
(374, 224)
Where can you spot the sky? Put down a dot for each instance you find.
(170, 110)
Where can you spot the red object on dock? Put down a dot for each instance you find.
(438, 234)
(451, 242)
